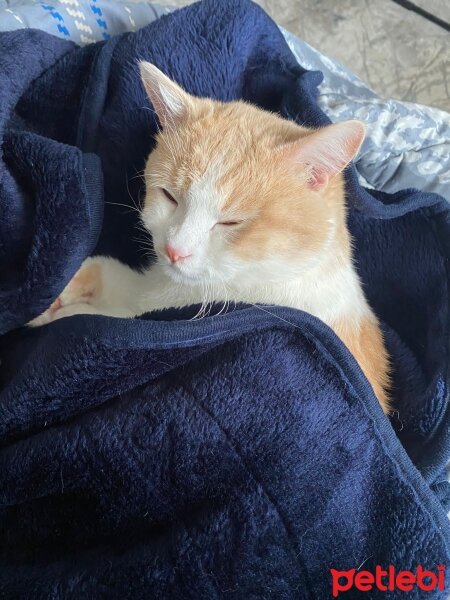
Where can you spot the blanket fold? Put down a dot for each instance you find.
(239, 456)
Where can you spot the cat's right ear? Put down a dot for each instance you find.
(170, 102)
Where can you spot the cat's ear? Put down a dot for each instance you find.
(170, 102)
(327, 151)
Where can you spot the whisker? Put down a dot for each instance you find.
(132, 208)
(274, 315)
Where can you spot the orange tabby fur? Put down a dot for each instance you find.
(253, 208)
(259, 190)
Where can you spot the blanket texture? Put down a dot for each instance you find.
(239, 456)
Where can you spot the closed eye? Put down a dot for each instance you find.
(169, 197)
(229, 223)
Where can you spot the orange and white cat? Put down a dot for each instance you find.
(242, 206)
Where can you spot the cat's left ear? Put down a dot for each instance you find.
(170, 102)
(326, 152)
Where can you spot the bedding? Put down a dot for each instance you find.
(240, 456)
(407, 145)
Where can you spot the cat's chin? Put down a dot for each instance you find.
(182, 278)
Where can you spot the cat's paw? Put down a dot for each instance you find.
(82, 291)
(47, 316)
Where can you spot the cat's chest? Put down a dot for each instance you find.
(327, 296)
(327, 300)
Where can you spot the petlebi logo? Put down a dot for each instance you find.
(387, 580)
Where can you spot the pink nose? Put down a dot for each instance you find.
(174, 254)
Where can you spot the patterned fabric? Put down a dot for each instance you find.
(407, 145)
(82, 21)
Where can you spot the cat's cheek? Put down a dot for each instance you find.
(158, 243)
(158, 229)
(152, 218)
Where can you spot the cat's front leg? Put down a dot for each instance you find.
(103, 286)
(56, 311)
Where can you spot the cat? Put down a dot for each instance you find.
(242, 206)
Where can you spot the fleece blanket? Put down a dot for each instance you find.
(243, 455)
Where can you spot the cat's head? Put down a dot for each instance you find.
(235, 193)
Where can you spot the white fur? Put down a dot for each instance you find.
(192, 228)
(127, 293)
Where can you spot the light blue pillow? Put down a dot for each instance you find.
(82, 21)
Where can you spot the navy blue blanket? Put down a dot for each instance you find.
(240, 456)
